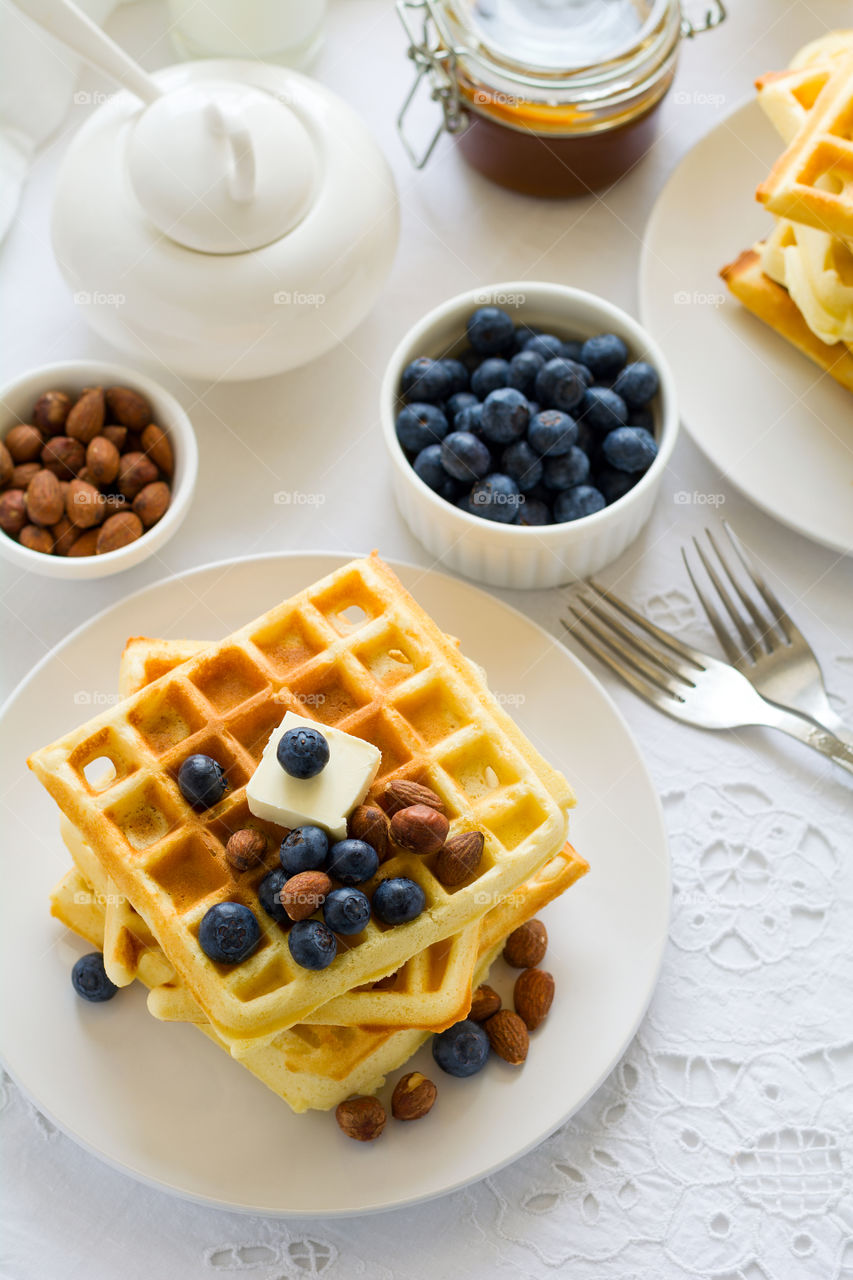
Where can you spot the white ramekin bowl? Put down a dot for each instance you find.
(16, 402)
(510, 555)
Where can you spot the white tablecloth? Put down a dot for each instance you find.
(720, 1146)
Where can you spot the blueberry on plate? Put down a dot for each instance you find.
(419, 425)
(506, 414)
(490, 330)
(462, 1050)
(461, 400)
(605, 354)
(637, 384)
(229, 932)
(560, 384)
(302, 752)
(426, 380)
(469, 418)
(89, 979)
(312, 944)
(458, 375)
(464, 456)
(523, 368)
(428, 466)
(603, 409)
(533, 513)
(567, 470)
(546, 345)
(269, 895)
(488, 376)
(630, 449)
(202, 781)
(522, 464)
(551, 433)
(614, 484)
(496, 497)
(398, 900)
(352, 861)
(304, 849)
(346, 910)
(574, 504)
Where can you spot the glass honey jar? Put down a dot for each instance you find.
(547, 97)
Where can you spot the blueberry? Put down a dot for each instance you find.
(637, 384)
(567, 470)
(523, 369)
(352, 861)
(614, 484)
(426, 380)
(461, 400)
(346, 910)
(490, 330)
(89, 979)
(642, 418)
(505, 416)
(603, 409)
(523, 334)
(462, 1050)
(586, 374)
(630, 449)
(458, 375)
(534, 406)
(560, 385)
(497, 497)
(469, 419)
(574, 504)
(302, 752)
(428, 466)
(533, 513)
(464, 456)
(572, 350)
(397, 900)
(552, 433)
(604, 354)
(312, 944)
(202, 781)
(269, 895)
(419, 425)
(546, 345)
(490, 375)
(463, 502)
(304, 849)
(229, 932)
(523, 465)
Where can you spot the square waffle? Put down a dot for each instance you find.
(353, 650)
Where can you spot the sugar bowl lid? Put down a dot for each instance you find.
(221, 166)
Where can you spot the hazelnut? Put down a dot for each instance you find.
(24, 442)
(7, 466)
(413, 1097)
(23, 474)
(128, 407)
(64, 536)
(152, 502)
(36, 539)
(102, 460)
(50, 412)
(156, 444)
(86, 418)
(116, 435)
(84, 505)
(135, 471)
(13, 512)
(86, 544)
(63, 456)
(419, 828)
(44, 499)
(118, 531)
(245, 848)
(361, 1118)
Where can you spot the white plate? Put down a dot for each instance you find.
(770, 420)
(161, 1102)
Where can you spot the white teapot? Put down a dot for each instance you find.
(227, 219)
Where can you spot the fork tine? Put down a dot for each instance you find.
(766, 637)
(664, 661)
(785, 623)
(677, 646)
(652, 692)
(748, 640)
(728, 645)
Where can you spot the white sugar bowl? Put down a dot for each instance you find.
(236, 225)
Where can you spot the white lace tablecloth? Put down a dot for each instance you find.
(720, 1147)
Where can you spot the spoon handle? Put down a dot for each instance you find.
(69, 25)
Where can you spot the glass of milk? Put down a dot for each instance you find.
(287, 31)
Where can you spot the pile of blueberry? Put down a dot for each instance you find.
(526, 428)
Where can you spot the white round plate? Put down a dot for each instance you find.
(772, 422)
(161, 1102)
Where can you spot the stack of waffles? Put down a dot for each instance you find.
(354, 651)
(799, 279)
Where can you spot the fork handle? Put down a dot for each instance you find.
(812, 735)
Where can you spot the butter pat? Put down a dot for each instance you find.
(323, 801)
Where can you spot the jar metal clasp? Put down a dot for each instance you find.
(435, 70)
(711, 18)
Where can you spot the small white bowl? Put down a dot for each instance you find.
(17, 399)
(510, 555)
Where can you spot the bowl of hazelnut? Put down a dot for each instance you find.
(98, 465)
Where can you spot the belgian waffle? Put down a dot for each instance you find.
(317, 1067)
(389, 675)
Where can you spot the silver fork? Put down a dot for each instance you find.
(687, 684)
(763, 642)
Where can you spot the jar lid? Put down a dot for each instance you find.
(222, 167)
